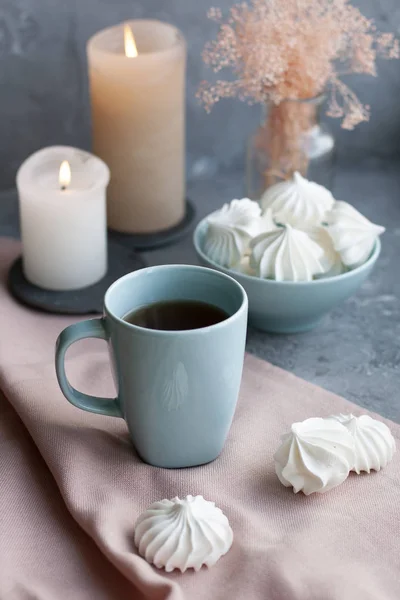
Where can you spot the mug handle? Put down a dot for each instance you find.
(92, 328)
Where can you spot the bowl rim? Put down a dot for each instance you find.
(322, 281)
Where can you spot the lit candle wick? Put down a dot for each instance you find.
(64, 176)
(129, 43)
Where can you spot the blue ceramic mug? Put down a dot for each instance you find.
(177, 390)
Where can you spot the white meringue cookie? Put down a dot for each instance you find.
(297, 201)
(183, 534)
(230, 230)
(265, 223)
(353, 235)
(286, 254)
(331, 260)
(315, 456)
(374, 443)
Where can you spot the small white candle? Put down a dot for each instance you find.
(62, 199)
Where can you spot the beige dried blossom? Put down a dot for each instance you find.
(295, 49)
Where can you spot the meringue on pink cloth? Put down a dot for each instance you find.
(72, 488)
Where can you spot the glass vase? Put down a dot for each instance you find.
(290, 138)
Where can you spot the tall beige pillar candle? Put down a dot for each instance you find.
(138, 113)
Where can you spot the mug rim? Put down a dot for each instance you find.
(181, 267)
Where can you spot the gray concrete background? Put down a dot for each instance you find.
(44, 96)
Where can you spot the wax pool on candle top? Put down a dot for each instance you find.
(63, 218)
(138, 116)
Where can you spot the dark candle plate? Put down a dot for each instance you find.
(89, 300)
(151, 241)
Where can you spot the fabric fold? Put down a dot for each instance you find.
(72, 488)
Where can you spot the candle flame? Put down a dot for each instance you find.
(64, 176)
(130, 44)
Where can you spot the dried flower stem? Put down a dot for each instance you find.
(282, 137)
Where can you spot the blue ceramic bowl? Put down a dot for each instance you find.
(287, 306)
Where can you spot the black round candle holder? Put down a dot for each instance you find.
(152, 241)
(88, 300)
(123, 257)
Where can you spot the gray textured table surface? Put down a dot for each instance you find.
(355, 352)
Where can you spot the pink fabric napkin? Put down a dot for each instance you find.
(72, 488)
